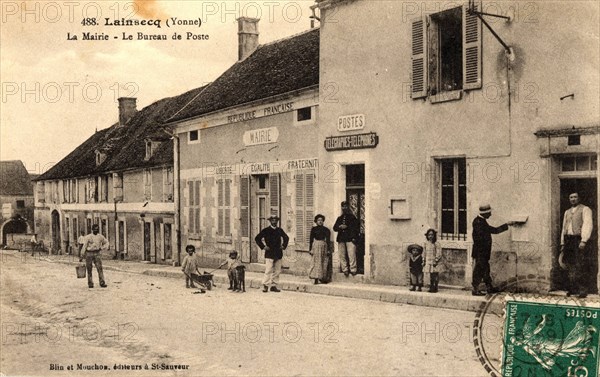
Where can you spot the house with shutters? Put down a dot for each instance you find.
(121, 178)
(437, 108)
(16, 199)
(248, 149)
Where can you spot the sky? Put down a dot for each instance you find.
(57, 92)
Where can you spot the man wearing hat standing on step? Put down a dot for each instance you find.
(275, 241)
(574, 244)
(482, 249)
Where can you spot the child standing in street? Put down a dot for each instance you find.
(232, 262)
(190, 266)
(433, 256)
(415, 264)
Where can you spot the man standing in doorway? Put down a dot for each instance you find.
(275, 241)
(348, 228)
(93, 244)
(576, 232)
(482, 249)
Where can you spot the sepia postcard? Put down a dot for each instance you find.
(299, 188)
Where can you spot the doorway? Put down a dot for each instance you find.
(56, 239)
(587, 188)
(259, 207)
(147, 240)
(355, 196)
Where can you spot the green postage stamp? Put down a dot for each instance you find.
(542, 338)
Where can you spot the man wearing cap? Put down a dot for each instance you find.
(275, 241)
(576, 232)
(482, 249)
(93, 243)
(347, 227)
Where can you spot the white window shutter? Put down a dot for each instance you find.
(471, 49)
(419, 57)
(274, 193)
(300, 224)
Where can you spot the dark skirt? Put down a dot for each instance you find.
(320, 261)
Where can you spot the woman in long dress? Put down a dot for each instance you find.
(319, 249)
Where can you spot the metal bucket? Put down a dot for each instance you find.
(80, 271)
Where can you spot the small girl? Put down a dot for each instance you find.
(232, 262)
(433, 256)
(415, 264)
(190, 266)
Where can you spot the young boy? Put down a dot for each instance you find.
(415, 264)
(190, 266)
(232, 262)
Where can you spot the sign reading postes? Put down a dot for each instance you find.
(351, 122)
(360, 141)
(261, 136)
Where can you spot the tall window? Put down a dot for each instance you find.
(446, 53)
(103, 188)
(304, 208)
(453, 199)
(147, 184)
(168, 184)
(194, 207)
(224, 207)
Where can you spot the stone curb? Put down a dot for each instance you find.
(398, 295)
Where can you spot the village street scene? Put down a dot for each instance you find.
(324, 187)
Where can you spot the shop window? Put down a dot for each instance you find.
(194, 208)
(20, 204)
(304, 208)
(224, 207)
(446, 54)
(304, 114)
(453, 199)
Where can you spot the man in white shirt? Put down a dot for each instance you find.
(93, 244)
(576, 232)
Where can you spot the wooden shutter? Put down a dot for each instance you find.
(300, 209)
(245, 206)
(309, 185)
(471, 49)
(227, 208)
(419, 57)
(220, 213)
(191, 225)
(274, 193)
(197, 207)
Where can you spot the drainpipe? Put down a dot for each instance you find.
(177, 196)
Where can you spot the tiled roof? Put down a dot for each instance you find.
(276, 68)
(14, 179)
(124, 146)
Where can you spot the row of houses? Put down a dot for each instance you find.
(415, 120)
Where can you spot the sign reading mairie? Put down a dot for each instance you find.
(351, 122)
(261, 136)
(360, 141)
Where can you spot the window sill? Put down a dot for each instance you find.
(196, 237)
(224, 240)
(454, 95)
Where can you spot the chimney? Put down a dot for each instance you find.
(247, 36)
(127, 109)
